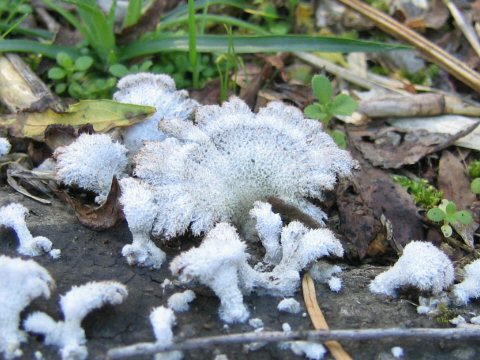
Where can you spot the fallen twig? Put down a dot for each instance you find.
(279, 336)
(318, 319)
(452, 65)
(465, 27)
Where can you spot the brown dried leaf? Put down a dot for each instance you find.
(392, 148)
(454, 181)
(59, 135)
(104, 217)
(376, 195)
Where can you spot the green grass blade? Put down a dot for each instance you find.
(35, 47)
(64, 13)
(183, 10)
(98, 29)
(220, 19)
(192, 41)
(43, 34)
(253, 44)
(134, 11)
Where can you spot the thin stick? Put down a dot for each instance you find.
(318, 320)
(449, 63)
(279, 336)
(465, 27)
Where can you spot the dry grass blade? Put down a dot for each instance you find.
(318, 320)
(437, 55)
(465, 27)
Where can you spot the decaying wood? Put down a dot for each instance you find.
(279, 336)
(318, 320)
(449, 63)
(403, 106)
(21, 88)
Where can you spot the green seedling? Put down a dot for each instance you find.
(475, 186)
(424, 194)
(74, 78)
(328, 106)
(120, 70)
(447, 212)
(474, 169)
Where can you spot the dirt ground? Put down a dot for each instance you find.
(89, 255)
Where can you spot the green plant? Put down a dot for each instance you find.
(474, 169)
(447, 212)
(73, 76)
(120, 70)
(328, 106)
(424, 194)
(225, 64)
(475, 186)
(12, 13)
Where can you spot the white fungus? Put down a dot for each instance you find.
(397, 352)
(421, 265)
(91, 162)
(163, 320)
(256, 323)
(269, 227)
(68, 335)
(4, 146)
(13, 216)
(140, 210)
(335, 284)
(311, 350)
(152, 90)
(21, 281)
(214, 171)
(289, 305)
(180, 302)
(221, 263)
(216, 264)
(470, 286)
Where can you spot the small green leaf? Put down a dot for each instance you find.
(64, 60)
(451, 208)
(343, 105)
(60, 88)
(339, 138)
(83, 63)
(315, 111)
(56, 73)
(118, 70)
(146, 65)
(464, 217)
(435, 214)
(322, 89)
(78, 75)
(446, 230)
(475, 186)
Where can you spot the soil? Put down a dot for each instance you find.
(88, 256)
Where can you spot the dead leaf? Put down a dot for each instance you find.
(454, 181)
(59, 135)
(104, 115)
(445, 124)
(209, 94)
(392, 148)
(102, 217)
(374, 195)
(362, 231)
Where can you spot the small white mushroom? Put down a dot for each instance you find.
(91, 162)
(180, 302)
(216, 264)
(269, 227)
(13, 216)
(289, 305)
(470, 286)
(139, 207)
(162, 320)
(4, 146)
(422, 265)
(21, 281)
(68, 334)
